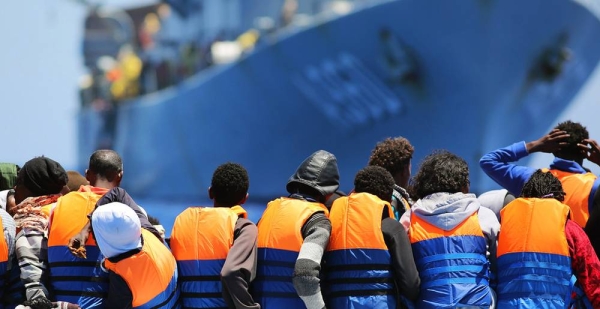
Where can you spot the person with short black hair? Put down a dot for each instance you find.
(215, 247)
(374, 180)
(369, 258)
(538, 240)
(293, 233)
(69, 244)
(570, 144)
(395, 155)
(453, 238)
(105, 169)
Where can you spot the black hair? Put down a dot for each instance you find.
(441, 171)
(543, 185)
(106, 164)
(375, 180)
(393, 154)
(229, 184)
(153, 220)
(577, 133)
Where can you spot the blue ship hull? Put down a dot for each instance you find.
(462, 75)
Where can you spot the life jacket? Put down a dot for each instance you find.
(4, 273)
(279, 242)
(14, 291)
(357, 260)
(577, 187)
(534, 263)
(151, 275)
(200, 241)
(47, 209)
(75, 280)
(452, 264)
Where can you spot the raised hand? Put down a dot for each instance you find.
(591, 149)
(549, 143)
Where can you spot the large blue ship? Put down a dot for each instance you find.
(467, 76)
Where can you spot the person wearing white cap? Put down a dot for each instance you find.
(142, 271)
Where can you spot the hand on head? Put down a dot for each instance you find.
(591, 149)
(549, 143)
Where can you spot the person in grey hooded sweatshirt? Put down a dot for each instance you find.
(495, 200)
(293, 233)
(453, 237)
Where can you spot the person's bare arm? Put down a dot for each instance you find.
(77, 242)
(548, 143)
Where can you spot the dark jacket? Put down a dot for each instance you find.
(120, 195)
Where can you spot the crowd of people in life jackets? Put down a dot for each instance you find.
(82, 242)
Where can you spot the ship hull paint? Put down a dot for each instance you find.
(475, 91)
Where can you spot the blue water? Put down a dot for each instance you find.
(167, 211)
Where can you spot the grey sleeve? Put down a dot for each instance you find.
(316, 232)
(32, 252)
(490, 228)
(240, 267)
(8, 223)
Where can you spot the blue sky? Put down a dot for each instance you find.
(41, 63)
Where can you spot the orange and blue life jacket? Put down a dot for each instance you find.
(452, 264)
(279, 242)
(578, 188)
(358, 263)
(75, 280)
(4, 274)
(151, 275)
(534, 263)
(200, 241)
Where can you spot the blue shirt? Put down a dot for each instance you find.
(513, 177)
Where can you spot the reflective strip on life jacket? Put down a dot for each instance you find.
(534, 264)
(200, 241)
(279, 242)
(154, 263)
(452, 264)
(75, 280)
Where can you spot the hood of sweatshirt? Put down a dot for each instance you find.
(445, 210)
(319, 171)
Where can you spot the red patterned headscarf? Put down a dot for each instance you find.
(29, 214)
